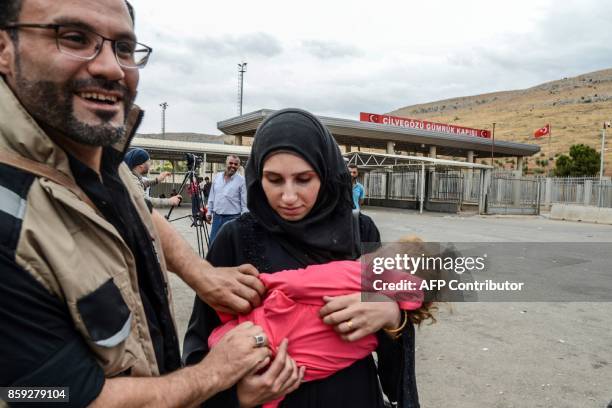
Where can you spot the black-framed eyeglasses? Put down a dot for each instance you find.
(84, 44)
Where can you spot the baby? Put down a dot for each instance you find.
(291, 307)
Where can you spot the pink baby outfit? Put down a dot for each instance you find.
(291, 310)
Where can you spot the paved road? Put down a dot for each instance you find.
(483, 355)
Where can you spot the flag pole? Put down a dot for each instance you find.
(601, 155)
(493, 144)
(601, 163)
(549, 149)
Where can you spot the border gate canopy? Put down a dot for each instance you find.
(377, 160)
(376, 135)
(163, 149)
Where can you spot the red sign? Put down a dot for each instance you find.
(422, 125)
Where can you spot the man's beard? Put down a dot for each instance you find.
(51, 104)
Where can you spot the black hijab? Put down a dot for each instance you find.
(328, 231)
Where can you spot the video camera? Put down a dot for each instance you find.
(193, 161)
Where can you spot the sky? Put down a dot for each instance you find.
(338, 58)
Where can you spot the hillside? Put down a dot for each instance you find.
(575, 108)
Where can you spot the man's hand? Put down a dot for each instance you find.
(208, 217)
(234, 290)
(232, 358)
(174, 201)
(353, 319)
(231, 290)
(282, 377)
(235, 355)
(162, 176)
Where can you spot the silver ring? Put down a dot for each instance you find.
(260, 340)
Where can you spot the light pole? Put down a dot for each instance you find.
(603, 150)
(164, 106)
(601, 162)
(241, 70)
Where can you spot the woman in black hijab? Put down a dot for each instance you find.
(299, 197)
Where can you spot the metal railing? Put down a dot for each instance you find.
(471, 186)
(512, 195)
(446, 186)
(576, 190)
(601, 194)
(403, 185)
(375, 184)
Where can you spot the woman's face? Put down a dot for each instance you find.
(291, 185)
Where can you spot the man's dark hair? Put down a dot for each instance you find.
(9, 11)
(131, 11)
(353, 166)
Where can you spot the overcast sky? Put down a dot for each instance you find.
(337, 58)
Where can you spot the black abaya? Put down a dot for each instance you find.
(244, 241)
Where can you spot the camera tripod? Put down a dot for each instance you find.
(198, 211)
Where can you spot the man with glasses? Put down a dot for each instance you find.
(84, 297)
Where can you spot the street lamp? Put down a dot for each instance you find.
(603, 150)
(241, 70)
(164, 106)
(601, 162)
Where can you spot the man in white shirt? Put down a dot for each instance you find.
(227, 198)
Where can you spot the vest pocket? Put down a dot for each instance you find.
(105, 315)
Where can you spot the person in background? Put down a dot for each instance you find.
(227, 198)
(205, 187)
(358, 190)
(139, 162)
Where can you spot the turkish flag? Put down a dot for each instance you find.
(542, 131)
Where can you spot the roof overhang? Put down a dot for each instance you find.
(375, 135)
(175, 150)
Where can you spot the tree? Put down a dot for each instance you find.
(583, 161)
(563, 166)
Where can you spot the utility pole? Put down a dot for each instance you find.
(241, 70)
(164, 106)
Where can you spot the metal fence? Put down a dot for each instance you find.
(445, 186)
(403, 185)
(512, 195)
(375, 184)
(508, 190)
(601, 194)
(448, 186)
(576, 190)
(471, 186)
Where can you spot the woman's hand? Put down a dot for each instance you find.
(281, 378)
(353, 319)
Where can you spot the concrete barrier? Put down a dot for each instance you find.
(581, 213)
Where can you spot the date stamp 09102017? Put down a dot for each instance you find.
(34, 394)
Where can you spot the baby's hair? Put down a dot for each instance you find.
(427, 309)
